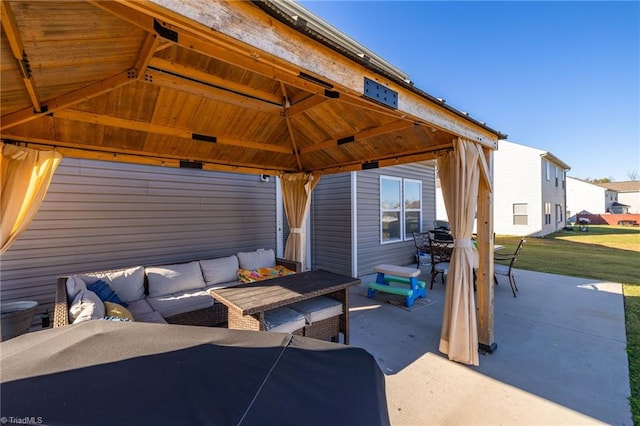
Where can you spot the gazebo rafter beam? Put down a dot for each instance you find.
(68, 99)
(106, 120)
(368, 133)
(126, 155)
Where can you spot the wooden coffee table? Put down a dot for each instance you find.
(247, 303)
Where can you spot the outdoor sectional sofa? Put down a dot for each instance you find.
(171, 293)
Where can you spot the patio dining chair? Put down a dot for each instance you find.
(440, 249)
(421, 241)
(507, 270)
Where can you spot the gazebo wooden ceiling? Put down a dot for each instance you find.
(237, 86)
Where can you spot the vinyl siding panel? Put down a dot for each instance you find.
(518, 178)
(370, 251)
(103, 215)
(331, 244)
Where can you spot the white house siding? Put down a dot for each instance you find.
(370, 251)
(517, 179)
(553, 193)
(584, 196)
(102, 215)
(331, 242)
(631, 199)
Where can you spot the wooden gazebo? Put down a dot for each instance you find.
(252, 87)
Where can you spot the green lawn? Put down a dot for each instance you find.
(608, 253)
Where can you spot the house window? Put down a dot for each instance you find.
(412, 207)
(548, 170)
(520, 215)
(559, 213)
(556, 170)
(547, 213)
(563, 179)
(400, 208)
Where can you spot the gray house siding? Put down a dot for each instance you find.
(331, 241)
(103, 215)
(332, 244)
(370, 251)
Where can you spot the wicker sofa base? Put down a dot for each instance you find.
(327, 329)
(208, 317)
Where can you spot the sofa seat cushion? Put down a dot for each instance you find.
(152, 316)
(257, 259)
(318, 308)
(86, 306)
(283, 320)
(181, 302)
(220, 270)
(170, 279)
(128, 283)
(139, 307)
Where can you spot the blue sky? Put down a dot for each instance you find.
(563, 77)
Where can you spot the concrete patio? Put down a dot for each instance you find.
(561, 356)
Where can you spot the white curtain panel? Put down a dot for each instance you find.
(459, 172)
(26, 174)
(296, 194)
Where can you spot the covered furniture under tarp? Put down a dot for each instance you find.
(118, 373)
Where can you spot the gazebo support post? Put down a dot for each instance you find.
(485, 308)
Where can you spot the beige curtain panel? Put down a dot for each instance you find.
(459, 172)
(296, 194)
(26, 175)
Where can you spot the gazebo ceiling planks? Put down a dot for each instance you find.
(229, 86)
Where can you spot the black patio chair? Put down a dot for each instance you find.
(421, 241)
(507, 270)
(441, 248)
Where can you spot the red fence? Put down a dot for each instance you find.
(610, 218)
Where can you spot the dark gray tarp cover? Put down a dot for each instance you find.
(118, 373)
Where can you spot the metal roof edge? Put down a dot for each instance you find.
(297, 17)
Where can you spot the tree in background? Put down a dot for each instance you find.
(600, 180)
(633, 175)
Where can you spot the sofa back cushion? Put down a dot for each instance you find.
(257, 259)
(220, 270)
(168, 279)
(127, 283)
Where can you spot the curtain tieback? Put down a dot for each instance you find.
(297, 230)
(462, 243)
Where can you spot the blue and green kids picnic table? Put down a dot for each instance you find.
(388, 275)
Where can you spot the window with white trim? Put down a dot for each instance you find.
(548, 169)
(400, 208)
(520, 214)
(547, 213)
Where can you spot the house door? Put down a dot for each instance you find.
(559, 217)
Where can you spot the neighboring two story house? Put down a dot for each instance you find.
(627, 196)
(530, 195)
(586, 197)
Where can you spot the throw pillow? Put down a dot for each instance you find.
(106, 293)
(74, 285)
(86, 306)
(257, 259)
(116, 310)
(253, 275)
